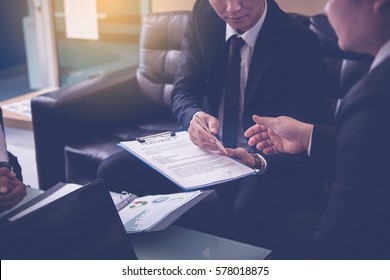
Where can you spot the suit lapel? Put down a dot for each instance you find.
(356, 91)
(262, 54)
(217, 59)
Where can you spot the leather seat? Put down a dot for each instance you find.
(77, 127)
(97, 114)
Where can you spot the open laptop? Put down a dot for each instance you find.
(83, 224)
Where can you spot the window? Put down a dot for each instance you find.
(118, 23)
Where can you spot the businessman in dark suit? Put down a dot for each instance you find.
(356, 221)
(281, 72)
(281, 59)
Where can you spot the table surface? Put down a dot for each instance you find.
(177, 243)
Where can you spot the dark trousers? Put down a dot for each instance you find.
(294, 239)
(249, 210)
(124, 172)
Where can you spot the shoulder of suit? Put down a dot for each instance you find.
(290, 29)
(205, 19)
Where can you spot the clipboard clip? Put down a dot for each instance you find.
(126, 199)
(151, 137)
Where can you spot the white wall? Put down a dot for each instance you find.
(171, 5)
(308, 7)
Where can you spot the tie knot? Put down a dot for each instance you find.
(236, 43)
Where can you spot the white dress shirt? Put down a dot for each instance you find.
(383, 53)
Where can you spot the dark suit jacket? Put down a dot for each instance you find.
(286, 76)
(356, 222)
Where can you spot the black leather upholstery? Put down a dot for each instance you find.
(160, 45)
(75, 128)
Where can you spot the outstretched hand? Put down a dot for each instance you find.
(279, 135)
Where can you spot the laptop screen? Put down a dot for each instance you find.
(81, 225)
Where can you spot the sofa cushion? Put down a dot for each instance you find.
(82, 159)
(160, 53)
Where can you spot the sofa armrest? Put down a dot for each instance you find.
(80, 111)
(108, 98)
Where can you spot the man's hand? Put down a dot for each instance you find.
(5, 176)
(199, 136)
(15, 194)
(279, 135)
(242, 156)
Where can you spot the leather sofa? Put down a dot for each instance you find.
(77, 127)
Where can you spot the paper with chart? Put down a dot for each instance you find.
(144, 212)
(186, 164)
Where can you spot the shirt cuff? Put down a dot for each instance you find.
(309, 147)
(264, 164)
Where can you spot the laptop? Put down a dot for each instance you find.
(83, 224)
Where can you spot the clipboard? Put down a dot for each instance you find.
(170, 218)
(34, 203)
(188, 166)
(31, 193)
(154, 136)
(81, 224)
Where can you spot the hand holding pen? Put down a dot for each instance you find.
(202, 132)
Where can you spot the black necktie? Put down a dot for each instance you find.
(232, 93)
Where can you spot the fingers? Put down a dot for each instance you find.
(270, 150)
(209, 121)
(5, 176)
(259, 137)
(4, 184)
(7, 172)
(259, 133)
(255, 129)
(232, 152)
(13, 197)
(241, 155)
(266, 121)
(263, 144)
(199, 134)
(213, 124)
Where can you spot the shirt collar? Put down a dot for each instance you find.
(249, 36)
(383, 53)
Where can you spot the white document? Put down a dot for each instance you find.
(186, 164)
(81, 19)
(144, 212)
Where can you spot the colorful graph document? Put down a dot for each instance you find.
(187, 165)
(142, 213)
